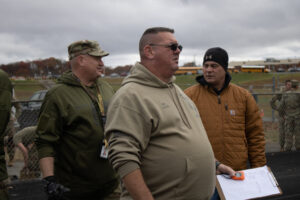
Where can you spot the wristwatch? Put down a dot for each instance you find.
(217, 164)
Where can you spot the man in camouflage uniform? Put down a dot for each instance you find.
(24, 140)
(5, 106)
(290, 103)
(70, 131)
(275, 106)
(11, 130)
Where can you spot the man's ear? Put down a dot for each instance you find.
(148, 52)
(80, 60)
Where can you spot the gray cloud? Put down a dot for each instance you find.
(248, 29)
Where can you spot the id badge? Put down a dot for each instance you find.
(103, 118)
(104, 152)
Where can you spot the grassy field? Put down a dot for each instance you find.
(24, 89)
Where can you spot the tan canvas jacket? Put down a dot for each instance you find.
(233, 124)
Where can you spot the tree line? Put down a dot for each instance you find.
(50, 68)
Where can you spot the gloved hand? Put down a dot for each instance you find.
(54, 190)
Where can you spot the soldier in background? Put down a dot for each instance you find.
(290, 103)
(11, 129)
(24, 140)
(5, 103)
(275, 106)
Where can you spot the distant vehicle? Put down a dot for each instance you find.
(294, 69)
(124, 74)
(298, 69)
(280, 69)
(232, 69)
(114, 75)
(37, 97)
(188, 70)
(254, 68)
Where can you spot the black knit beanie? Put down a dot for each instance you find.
(217, 55)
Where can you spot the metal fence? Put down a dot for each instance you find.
(272, 122)
(22, 160)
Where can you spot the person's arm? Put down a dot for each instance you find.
(53, 189)
(136, 186)
(273, 101)
(224, 169)
(47, 133)
(254, 134)
(24, 151)
(47, 166)
(282, 106)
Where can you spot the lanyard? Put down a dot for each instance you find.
(94, 98)
(100, 101)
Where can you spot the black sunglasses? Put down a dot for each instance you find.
(173, 47)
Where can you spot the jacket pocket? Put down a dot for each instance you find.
(90, 167)
(236, 114)
(198, 182)
(236, 118)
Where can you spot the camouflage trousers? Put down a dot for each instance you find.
(3, 191)
(8, 139)
(32, 170)
(115, 195)
(281, 132)
(292, 129)
(27, 173)
(10, 147)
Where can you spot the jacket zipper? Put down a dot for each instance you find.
(219, 99)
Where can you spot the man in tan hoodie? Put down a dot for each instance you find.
(157, 142)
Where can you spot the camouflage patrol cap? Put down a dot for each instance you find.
(295, 83)
(90, 47)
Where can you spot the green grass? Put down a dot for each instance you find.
(271, 134)
(241, 78)
(24, 89)
(114, 82)
(185, 81)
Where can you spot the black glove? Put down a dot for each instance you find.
(54, 190)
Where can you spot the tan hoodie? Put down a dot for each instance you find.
(154, 126)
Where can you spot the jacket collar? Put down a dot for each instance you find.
(202, 81)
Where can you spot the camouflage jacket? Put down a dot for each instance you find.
(290, 104)
(5, 106)
(275, 101)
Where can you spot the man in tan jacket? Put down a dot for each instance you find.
(157, 142)
(229, 114)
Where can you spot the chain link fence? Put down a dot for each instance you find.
(21, 153)
(26, 170)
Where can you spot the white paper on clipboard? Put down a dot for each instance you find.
(258, 182)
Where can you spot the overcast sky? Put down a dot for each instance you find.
(247, 29)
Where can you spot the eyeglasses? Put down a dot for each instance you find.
(173, 46)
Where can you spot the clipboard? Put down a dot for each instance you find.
(259, 183)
